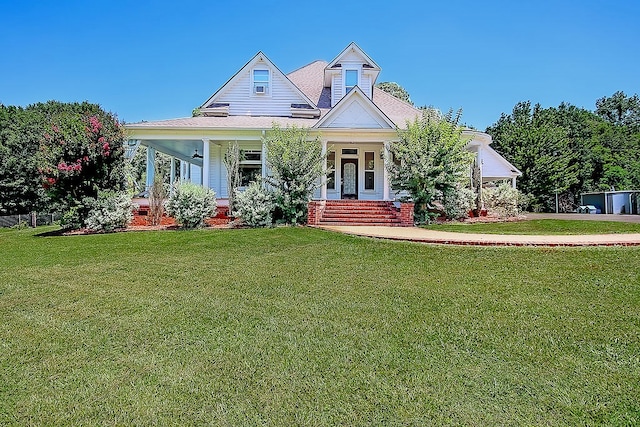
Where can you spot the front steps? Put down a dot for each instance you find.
(358, 212)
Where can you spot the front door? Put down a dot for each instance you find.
(349, 169)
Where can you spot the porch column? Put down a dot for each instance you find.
(264, 156)
(323, 187)
(188, 170)
(385, 174)
(513, 182)
(172, 173)
(205, 162)
(480, 176)
(151, 166)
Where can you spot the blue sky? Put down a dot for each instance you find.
(151, 60)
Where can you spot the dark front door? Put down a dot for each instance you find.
(349, 174)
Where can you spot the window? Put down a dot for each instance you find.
(260, 82)
(349, 151)
(369, 166)
(331, 166)
(350, 80)
(250, 166)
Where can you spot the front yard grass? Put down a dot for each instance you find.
(539, 226)
(298, 326)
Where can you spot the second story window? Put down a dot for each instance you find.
(261, 82)
(350, 80)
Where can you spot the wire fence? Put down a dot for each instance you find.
(31, 219)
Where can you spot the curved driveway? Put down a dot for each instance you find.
(416, 234)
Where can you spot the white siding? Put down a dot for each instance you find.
(351, 56)
(217, 172)
(336, 89)
(243, 102)
(356, 113)
(365, 82)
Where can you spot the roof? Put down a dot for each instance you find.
(309, 79)
(230, 122)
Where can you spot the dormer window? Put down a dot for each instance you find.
(350, 80)
(260, 82)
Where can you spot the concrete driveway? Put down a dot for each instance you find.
(416, 234)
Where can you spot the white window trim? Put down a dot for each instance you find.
(366, 169)
(358, 71)
(252, 163)
(252, 87)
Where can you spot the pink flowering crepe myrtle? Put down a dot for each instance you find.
(57, 146)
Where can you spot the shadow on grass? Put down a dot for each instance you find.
(52, 233)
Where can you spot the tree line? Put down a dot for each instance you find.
(570, 150)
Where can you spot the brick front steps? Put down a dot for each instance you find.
(356, 212)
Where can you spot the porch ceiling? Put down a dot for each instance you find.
(180, 149)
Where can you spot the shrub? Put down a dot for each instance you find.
(111, 210)
(231, 161)
(502, 200)
(190, 204)
(458, 201)
(157, 196)
(255, 205)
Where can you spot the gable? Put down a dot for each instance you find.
(259, 89)
(494, 166)
(353, 54)
(352, 67)
(355, 111)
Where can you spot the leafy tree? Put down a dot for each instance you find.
(21, 188)
(540, 149)
(54, 155)
(296, 164)
(396, 90)
(430, 161)
(620, 109)
(81, 153)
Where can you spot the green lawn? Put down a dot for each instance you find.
(540, 226)
(298, 326)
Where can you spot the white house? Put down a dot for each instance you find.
(335, 100)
